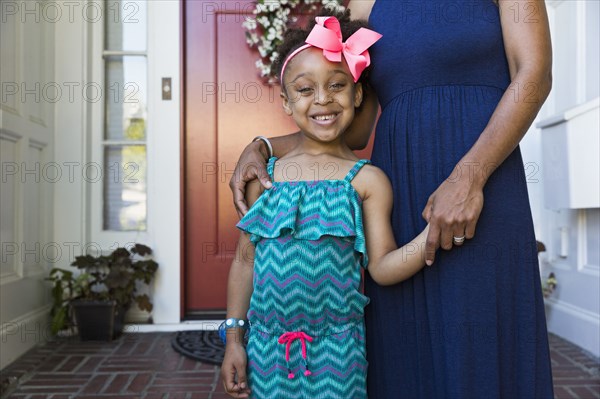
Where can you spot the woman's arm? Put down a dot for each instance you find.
(358, 133)
(239, 291)
(251, 164)
(388, 264)
(361, 9)
(454, 207)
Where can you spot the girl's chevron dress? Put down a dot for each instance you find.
(307, 337)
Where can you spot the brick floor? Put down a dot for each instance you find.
(144, 366)
(135, 366)
(576, 373)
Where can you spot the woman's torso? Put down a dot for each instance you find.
(435, 43)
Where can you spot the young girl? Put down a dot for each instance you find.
(296, 275)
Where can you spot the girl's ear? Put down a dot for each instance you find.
(286, 103)
(358, 94)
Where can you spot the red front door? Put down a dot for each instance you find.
(226, 105)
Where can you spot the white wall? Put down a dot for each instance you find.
(29, 94)
(562, 156)
(164, 174)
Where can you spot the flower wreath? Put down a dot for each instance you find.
(272, 18)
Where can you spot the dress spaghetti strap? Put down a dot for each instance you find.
(271, 166)
(357, 166)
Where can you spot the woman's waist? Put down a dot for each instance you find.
(475, 93)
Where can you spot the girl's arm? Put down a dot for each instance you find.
(239, 291)
(388, 264)
(453, 209)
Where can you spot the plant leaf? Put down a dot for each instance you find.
(59, 320)
(141, 250)
(84, 262)
(143, 302)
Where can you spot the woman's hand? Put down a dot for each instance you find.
(251, 165)
(234, 365)
(452, 211)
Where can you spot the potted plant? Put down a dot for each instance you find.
(98, 297)
(550, 284)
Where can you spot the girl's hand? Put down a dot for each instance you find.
(250, 166)
(452, 211)
(234, 364)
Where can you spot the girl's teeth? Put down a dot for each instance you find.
(324, 117)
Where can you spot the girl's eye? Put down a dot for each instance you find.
(336, 86)
(304, 90)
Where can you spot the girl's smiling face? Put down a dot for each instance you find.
(320, 95)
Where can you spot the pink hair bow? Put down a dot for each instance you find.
(327, 35)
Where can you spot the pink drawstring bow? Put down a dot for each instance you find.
(327, 35)
(287, 339)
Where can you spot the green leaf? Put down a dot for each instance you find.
(120, 254)
(84, 262)
(143, 302)
(141, 250)
(59, 320)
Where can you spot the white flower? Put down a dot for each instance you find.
(267, 30)
(264, 21)
(249, 24)
(272, 4)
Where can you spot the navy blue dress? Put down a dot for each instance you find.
(472, 325)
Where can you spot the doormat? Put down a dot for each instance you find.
(204, 346)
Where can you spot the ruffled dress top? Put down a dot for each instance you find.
(306, 311)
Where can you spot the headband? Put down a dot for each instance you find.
(327, 35)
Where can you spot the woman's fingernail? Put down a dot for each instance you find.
(429, 262)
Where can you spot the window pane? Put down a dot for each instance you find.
(125, 187)
(592, 51)
(126, 98)
(125, 25)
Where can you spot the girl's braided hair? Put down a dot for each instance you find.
(296, 37)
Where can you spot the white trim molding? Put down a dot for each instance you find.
(575, 324)
(23, 333)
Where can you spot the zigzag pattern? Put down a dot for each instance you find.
(338, 367)
(311, 285)
(310, 246)
(308, 210)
